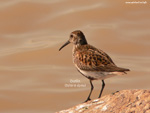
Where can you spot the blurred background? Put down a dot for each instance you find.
(36, 78)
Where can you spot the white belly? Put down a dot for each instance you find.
(96, 75)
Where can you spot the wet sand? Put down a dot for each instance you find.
(35, 77)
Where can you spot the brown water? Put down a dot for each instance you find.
(36, 78)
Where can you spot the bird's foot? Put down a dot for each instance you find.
(88, 99)
(99, 96)
(115, 92)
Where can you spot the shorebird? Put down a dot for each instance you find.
(91, 62)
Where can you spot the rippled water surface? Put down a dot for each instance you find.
(36, 78)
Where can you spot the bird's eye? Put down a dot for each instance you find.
(71, 36)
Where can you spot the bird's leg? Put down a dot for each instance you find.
(103, 85)
(92, 87)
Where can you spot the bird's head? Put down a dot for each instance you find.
(77, 38)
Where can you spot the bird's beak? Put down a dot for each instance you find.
(64, 45)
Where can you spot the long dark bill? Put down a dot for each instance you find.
(64, 45)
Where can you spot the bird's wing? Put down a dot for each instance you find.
(92, 59)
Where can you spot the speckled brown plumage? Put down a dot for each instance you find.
(88, 58)
(91, 62)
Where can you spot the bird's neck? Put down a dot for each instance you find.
(79, 46)
(82, 41)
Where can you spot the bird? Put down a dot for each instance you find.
(91, 62)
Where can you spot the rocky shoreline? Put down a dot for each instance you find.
(125, 101)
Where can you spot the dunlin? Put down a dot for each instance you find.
(91, 62)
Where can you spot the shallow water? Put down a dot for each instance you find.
(35, 77)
